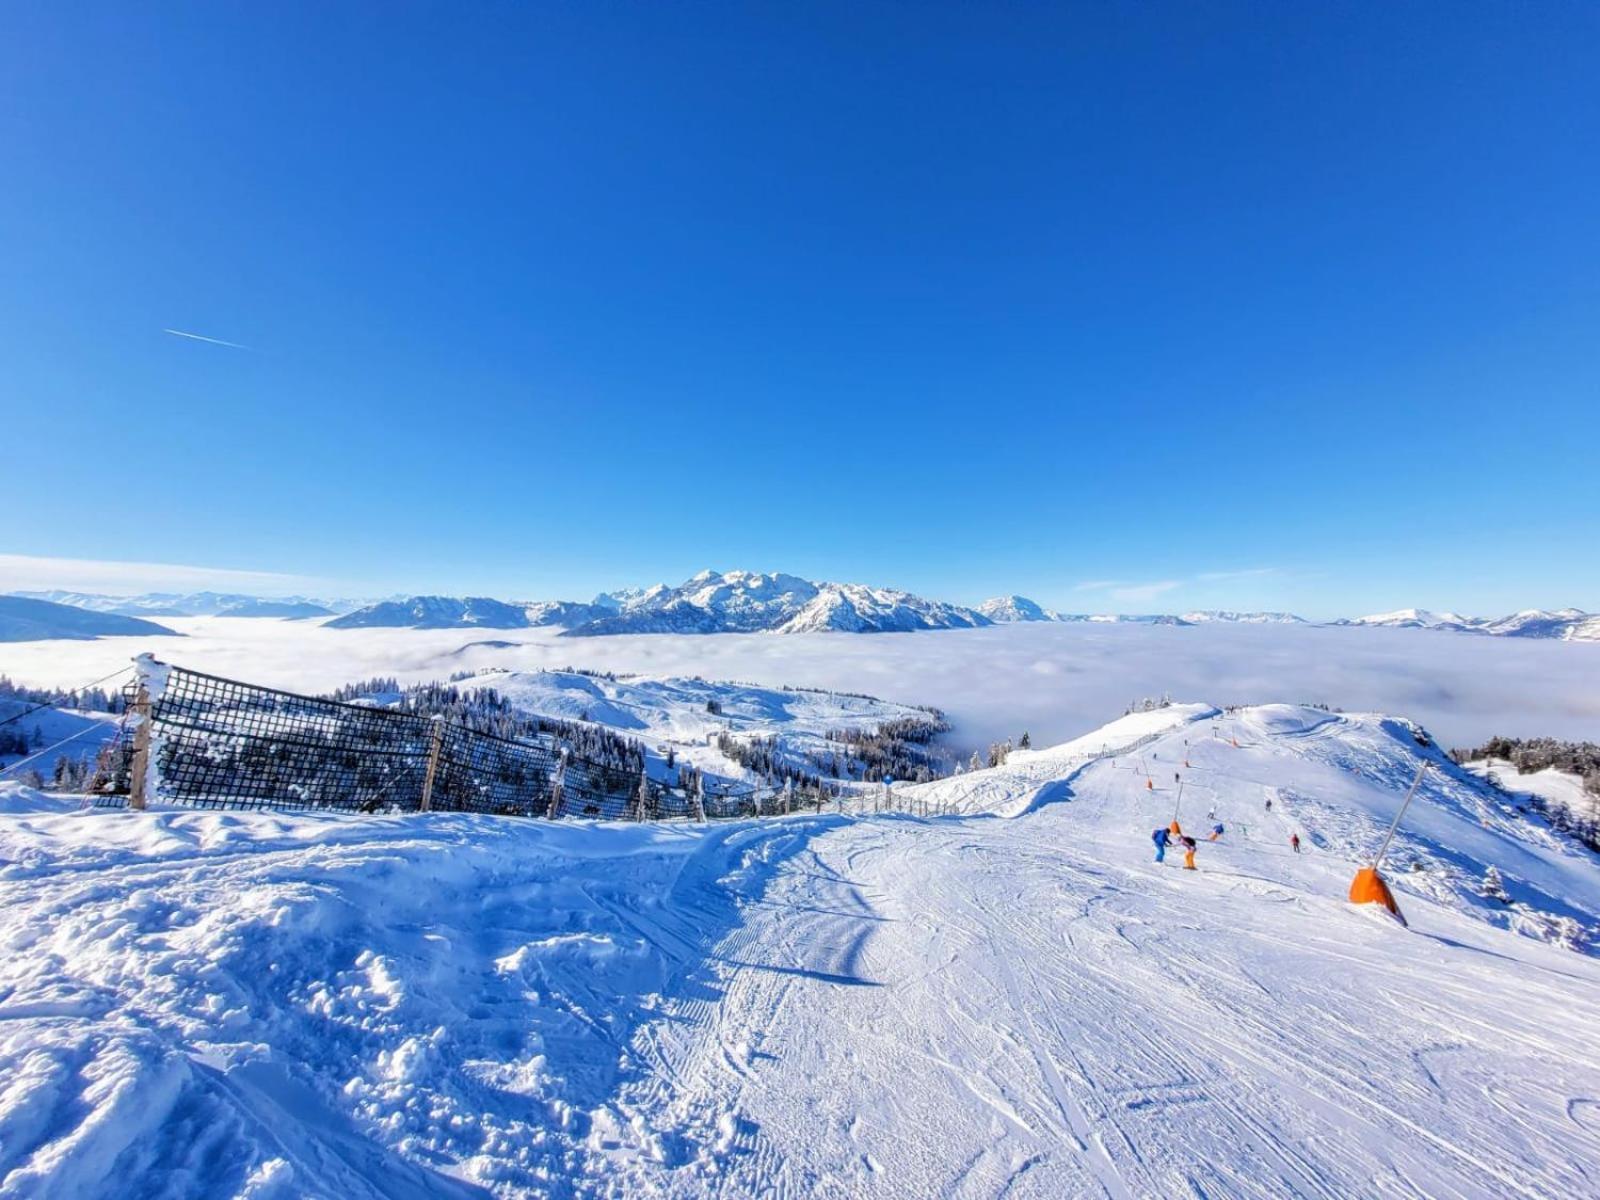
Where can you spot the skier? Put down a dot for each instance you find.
(1160, 837)
(1211, 815)
(1216, 832)
(1188, 854)
(1176, 778)
(1294, 841)
(1269, 803)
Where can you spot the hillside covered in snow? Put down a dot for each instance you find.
(732, 732)
(1014, 1001)
(23, 619)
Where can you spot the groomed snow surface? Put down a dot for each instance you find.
(1016, 1001)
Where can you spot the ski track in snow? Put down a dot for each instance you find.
(1020, 1005)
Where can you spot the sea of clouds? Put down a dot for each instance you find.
(1056, 681)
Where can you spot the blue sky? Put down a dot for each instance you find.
(1122, 306)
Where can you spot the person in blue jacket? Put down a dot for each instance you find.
(1161, 837)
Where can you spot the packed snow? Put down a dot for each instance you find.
(1016, 1001)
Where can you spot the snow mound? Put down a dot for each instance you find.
(17, 798)
(1284, 720)
(378, 1007)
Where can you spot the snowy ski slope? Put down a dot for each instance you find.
(208, 1004)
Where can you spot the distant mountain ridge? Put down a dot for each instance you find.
(767, 602)
(193, 604)
(755, 602)
(25, 619)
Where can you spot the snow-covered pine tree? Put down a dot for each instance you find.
(1493, 887)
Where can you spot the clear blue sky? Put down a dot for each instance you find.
(1278, 304)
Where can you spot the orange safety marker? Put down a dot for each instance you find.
(1235, 742)
(1149, 785)
(1368, 887)
(1173, 828)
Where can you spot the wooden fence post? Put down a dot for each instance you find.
(137, 794)
(556, 784)
(435, 744)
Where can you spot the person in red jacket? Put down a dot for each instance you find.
(1294, 841)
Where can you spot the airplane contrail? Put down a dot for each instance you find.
(200, 337)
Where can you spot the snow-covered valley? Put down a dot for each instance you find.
(1016, 1001)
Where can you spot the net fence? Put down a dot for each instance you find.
(220, 743)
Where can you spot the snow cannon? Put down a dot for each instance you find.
(1368, 887)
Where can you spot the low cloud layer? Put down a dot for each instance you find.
(1057, 681)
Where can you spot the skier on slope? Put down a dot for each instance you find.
(1188, 853)
(1294, 841)
(1161, 837)
(1269, 803)
(1216, 832)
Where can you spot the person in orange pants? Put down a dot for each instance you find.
(1188, 854)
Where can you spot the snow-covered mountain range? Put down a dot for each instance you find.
(753, 601)
(1005, 610)
(1565, 624)
(710, 602)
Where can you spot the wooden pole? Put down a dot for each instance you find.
(555, 787)
(435, 743)
(137, 797)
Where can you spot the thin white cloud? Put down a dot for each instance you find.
(200, 337)
(1097, 585)
(26, 572)
(1138, 593)
(1247, 573)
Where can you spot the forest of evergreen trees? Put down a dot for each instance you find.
(484, 710)
(1528, 755)
(88, 700)
(1537, 754)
